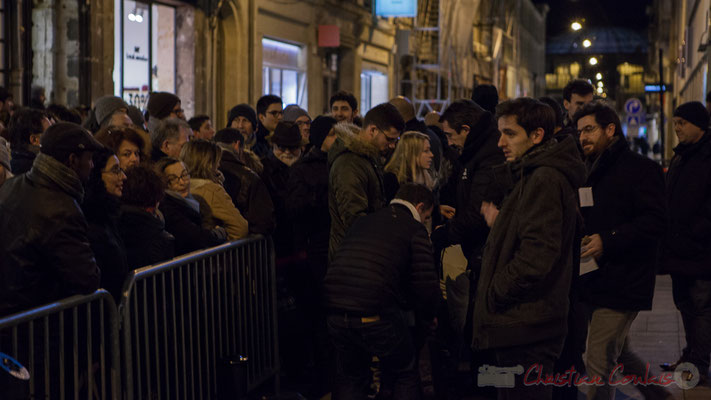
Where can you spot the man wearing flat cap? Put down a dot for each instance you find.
(687, 245)
(45, 254)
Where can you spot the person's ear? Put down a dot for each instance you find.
(371, 131)
(164, 146)
(610, 130)
(236, 146)
(566, 105)
(73, 161)
(261, 117)
(35, 139)
(420, 207)
(537, 135)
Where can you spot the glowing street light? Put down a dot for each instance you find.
(576, 26)
(592, 61)
(599, 90)
(587, 43)
(599, 84)
(598, 76)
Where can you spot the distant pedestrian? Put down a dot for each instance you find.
(486, 96)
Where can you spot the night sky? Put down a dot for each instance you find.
(625, 13)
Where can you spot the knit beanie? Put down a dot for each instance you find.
(319, 130)
(106, 106)
(694, 112)
(4, 154)
(292, 112)
(160, 104)
(242, 110)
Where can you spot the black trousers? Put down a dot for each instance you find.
(357, 340)
(693, 299)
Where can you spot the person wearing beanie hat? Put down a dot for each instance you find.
(111, 111)
(299, 116)
(163, 105)
(695, 113)
(243, 118)
(46, 254)
(307, 199)
(687, 244)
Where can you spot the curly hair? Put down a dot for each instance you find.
(143, 187)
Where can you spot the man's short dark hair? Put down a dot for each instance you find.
(581, 87)
(342, 95)
(416, 194)
(604, 116)
(197, 121)
(143, 187)
(557, 109)
(24, 123)
(486, 96)
(265, 101)
(384, 116)
(228, 136)
(462, 112)
(530, 114)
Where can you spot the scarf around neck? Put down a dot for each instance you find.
(49, 168)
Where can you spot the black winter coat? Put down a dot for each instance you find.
(629, 215)
(45, 253)
(185, 224)
(261, 147)
(527, 264)
(21, 161)
(383, 264)
(276, 178)
(307, 204)
(355, 185)
(473, 186)
(102, 213)
(687, 249)
(145, 238)
(249, 194)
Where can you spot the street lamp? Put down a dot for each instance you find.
(599, 90)
(576, 26)
(587, 43)
(598, 76)
(599, 84)
(592, 61)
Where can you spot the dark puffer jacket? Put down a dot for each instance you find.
(45, 253)
(473, 185)
(687, 249)
(384, 264)
(276, 178)
(355, 182)
(629, 216)
(526, 272)
(249, 194)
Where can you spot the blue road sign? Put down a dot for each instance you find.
(633, 120)
(633, 106)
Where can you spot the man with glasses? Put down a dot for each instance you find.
(269, 113)
(355, 183)
(623, 206)
(299, 116)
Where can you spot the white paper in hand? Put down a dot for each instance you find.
(587, 265)
(586, 197)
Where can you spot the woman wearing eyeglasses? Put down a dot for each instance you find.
(182, 211)
(101, 206)
(202, 158)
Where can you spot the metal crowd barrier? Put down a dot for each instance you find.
(70, 348)
(181, 319)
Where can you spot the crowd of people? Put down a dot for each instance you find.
(562, 227)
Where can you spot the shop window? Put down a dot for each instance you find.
(144, 50)
(373, 89)
(284, 72)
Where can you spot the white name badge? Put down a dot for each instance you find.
(587, 265)
(586, 197)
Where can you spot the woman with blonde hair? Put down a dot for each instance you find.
(202, 158)
(411, 163)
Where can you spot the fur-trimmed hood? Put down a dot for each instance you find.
(348, 140)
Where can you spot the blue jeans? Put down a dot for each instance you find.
(356, 342)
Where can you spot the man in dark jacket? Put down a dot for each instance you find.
(45, 254)
(576, 94)
(355, 180)
(687, 250)
(243, 118)
(249, 194)
(521, 306)
(622, 204)
(472, 129)
(25, 129)
(368, 297)
(269, 112)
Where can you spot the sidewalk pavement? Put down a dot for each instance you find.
(657, 336)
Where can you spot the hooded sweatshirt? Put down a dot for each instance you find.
(527, 265)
